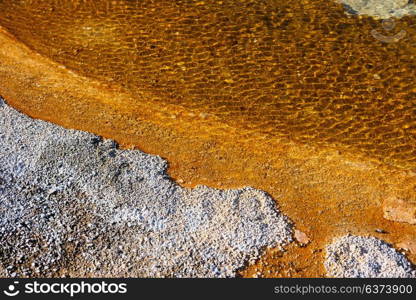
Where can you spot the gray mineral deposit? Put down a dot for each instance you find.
(380, 9)
(365, 257)
(73, 203)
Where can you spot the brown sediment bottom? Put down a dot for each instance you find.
(326, 193)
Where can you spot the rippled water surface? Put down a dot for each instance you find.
(302, 70)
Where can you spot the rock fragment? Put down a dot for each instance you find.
(365, 257)
(73, 204)
(400, 210)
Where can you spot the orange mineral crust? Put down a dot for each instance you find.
(292, 97)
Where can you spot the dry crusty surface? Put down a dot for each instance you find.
(380, 8)
(366, 257)
(69, 200)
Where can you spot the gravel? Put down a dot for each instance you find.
(74, 204)
(381, 9)
(366, 257)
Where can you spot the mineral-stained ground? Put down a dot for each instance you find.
(356, 256)
(312, 101)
